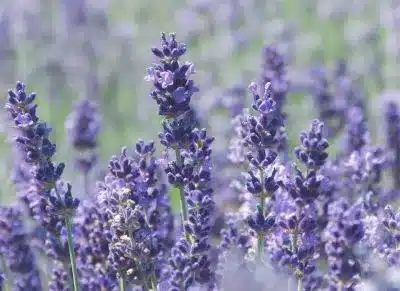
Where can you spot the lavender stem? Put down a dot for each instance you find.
(300, 283)
(122, 283)
(72, 253)
(153, 282)
(181, 190)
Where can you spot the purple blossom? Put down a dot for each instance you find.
(50, 201)
(38, 150)
(344, 230)
(16, 251)
(173, 88)
(135, 207)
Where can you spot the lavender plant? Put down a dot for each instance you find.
(173, 92)
(53, 204)
(246, 213)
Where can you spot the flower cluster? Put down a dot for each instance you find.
(315, 220)
(173, 87)
(344, 230)
(16, 251)
(137, 211)
(38, 151)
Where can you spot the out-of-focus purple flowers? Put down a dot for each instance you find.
(273, 70)
(392, 116)
(83, 125)
(344, 230)
(15, 250)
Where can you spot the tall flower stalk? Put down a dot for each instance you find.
(261, 138)
(53, 204)
(173, 90)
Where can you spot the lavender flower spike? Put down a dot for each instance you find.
(56, 204)
(173, 90)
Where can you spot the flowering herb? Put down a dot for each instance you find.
(54, 205)
(317, 221)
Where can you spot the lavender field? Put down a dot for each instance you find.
(200, 145)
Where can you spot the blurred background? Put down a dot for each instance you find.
(98, 49)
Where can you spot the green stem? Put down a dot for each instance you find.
(72, 253)
(153, 280)
(122, 282)
(184, 211)
(340, 286)
(300, 283)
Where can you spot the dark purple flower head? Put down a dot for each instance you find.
(173, 87)
(305, 189)
(260, 223)
(177, 132)
(20, 105)
(83, 125)
(38, 151)
(312, 151)
(263, 130)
